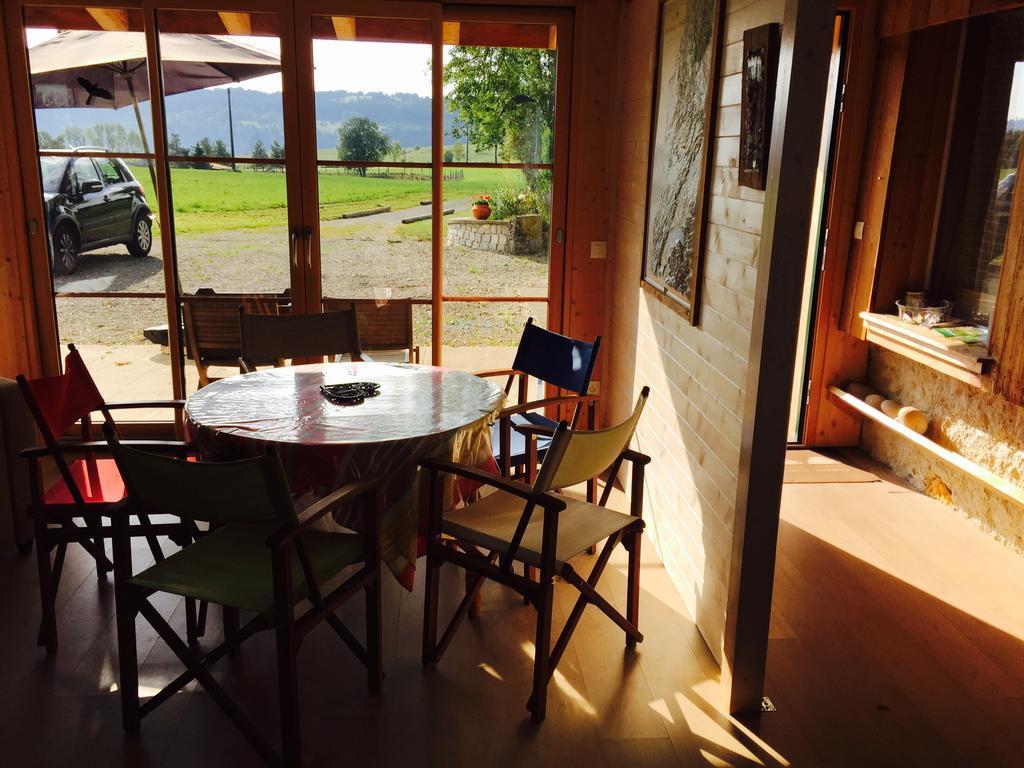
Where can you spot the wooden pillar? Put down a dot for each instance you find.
(19, 332)
(807, 32)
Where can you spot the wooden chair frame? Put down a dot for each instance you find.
(497, 566)
(93, 532)
(264, 303)
(290, 629)
(367, 332)
(311, 335)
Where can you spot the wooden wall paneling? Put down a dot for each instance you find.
(591, 169)
(803, 72)
(33, 250)
(897, 17)
(837, 356)
(916, 164)
(19, 337)
(875, 182)
(1005, 339)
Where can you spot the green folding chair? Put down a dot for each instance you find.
(488, 536)
(257, 557)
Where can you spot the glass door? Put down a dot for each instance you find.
(167, 165)
(231, 130)
(372, 126)
(98, 257)
(503, 173)
(417, 111)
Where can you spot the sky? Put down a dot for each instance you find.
(339, 66)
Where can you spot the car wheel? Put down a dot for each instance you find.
(142, 236)
(66, 253)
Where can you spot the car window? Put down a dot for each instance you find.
(52, 171)
(109, 171)
(83, 170)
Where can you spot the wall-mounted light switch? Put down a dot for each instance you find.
(858, 230)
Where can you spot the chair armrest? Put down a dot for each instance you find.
(636, 457)
(533, 429)
(344, 495)
(244, 367)
(533, 405)
(499, 372)
(102, 445)
(521, 490)
(177, 404)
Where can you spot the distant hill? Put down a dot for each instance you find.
(405, 117)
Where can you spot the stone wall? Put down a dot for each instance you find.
(983, 427)
(518, 235)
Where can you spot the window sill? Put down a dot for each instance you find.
(968, 363)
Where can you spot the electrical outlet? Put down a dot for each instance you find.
(598, 249)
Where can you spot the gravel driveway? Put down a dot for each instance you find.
(361, 257)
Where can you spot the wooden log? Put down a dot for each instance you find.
(367, 212)
(424, 217)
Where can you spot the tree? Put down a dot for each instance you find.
(458, 153)
(360, 138)
(219, 149)
(276, 150)
(202, 148)
(259, 152)
(449, 156)
(46, 141)
(175, 147)
(503, 96)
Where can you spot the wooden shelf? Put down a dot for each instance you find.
(996, 484)
(966, 362)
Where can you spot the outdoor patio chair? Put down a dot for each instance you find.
(87, 488)
(276, 337)
(259, 558)
(212, 336)
(534, 526)
(552, 359)
(383, 327)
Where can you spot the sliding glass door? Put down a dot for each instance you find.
(290, 154)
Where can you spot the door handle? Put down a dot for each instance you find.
(293, 236)
(308, 234)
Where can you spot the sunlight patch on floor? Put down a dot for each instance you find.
(565, 686)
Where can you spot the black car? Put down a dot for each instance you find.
(92, 202)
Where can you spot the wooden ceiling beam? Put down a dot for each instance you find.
(236, 23)
(110, 19)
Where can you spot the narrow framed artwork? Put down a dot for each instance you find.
(686, 96)
(760, 67)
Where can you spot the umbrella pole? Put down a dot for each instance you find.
(142, 130)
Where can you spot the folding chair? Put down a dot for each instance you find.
(276, 337)
(383, 327)
(87, 488)
(534, 526)
(258, 558)
(553, 359)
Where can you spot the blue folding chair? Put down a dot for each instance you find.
(553, 359)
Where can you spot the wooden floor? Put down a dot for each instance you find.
(607, 706)
(896, 641)
(897, 633)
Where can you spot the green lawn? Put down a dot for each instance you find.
(207, 200)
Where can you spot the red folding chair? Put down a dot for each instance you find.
(87, 489)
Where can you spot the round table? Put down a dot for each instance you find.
(421, 411)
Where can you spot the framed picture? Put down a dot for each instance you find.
(686, 92)
(760, 65)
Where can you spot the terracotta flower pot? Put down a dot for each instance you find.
(481, 212)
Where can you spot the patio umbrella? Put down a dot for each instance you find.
(80, 68)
